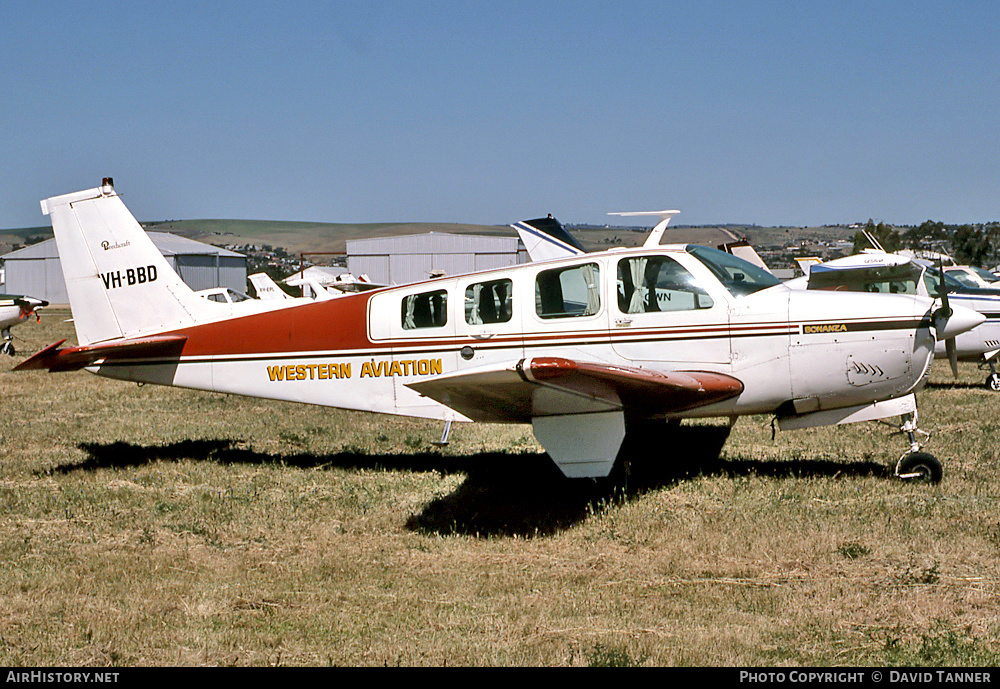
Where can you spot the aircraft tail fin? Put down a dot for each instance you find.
(119, 284)
(266, 288)
(744, 249)
(545, 239)
(806, 263)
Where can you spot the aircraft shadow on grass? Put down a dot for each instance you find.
(504, 494)
(957, 385)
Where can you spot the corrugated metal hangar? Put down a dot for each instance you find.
(35, 269)
(402, 259)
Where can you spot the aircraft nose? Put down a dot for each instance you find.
(962, 319)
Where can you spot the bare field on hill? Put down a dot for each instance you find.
(148, 526)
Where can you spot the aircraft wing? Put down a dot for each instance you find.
(554, 386)
(855, 278)
(55, 358)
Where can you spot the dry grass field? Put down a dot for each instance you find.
(146, 526)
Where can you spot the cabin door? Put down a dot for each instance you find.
(661, 314)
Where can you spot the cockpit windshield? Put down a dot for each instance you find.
(740, 277)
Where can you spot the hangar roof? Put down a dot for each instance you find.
(168, 244)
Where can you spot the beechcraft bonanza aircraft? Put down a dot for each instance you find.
(587, 349)
(14, 310)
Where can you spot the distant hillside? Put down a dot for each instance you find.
(299, 237)
(15, 239)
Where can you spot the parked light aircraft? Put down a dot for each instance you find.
(223, 295)
(974, 277)
(14, 310)
(321, 289)
(268, 290)
(878, 271)
(331, 280)
(590, 350)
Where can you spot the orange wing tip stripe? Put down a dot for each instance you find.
(638, 388)
(552, 368)
(53, 358)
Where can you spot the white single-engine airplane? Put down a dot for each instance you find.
(14, 310)
(587, 349)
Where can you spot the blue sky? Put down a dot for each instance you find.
(761, 112)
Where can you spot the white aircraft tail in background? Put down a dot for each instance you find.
(266, 288)
(545, 239)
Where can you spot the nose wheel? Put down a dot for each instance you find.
(916, 465)
(993, 380)
(920, 467)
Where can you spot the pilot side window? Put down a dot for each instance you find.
(426, 310)
(658, 283)
(488, 302)
(568, 292)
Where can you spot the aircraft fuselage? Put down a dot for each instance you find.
(810, 349)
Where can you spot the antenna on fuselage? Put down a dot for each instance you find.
(657, 232)
(874, 242)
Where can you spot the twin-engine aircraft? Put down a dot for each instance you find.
(590, 349)
(14, 310)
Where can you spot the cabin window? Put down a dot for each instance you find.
(425, 310)
(658, 283)
(488, 302)
(568, 292)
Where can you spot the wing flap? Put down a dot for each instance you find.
(543, 386)
(57, 358)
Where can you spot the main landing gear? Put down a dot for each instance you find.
(8, 343)
(915, 465)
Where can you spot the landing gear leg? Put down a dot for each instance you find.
(444, 435)
(915, 465)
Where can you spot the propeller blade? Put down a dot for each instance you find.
(943, 290)
(941, 315)
(949, 346)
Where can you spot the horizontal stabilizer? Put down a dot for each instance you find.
(55, 358)
(656, 234)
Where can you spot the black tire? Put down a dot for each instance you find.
(920, 467)
(993, 382)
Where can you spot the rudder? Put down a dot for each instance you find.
(119, 284)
